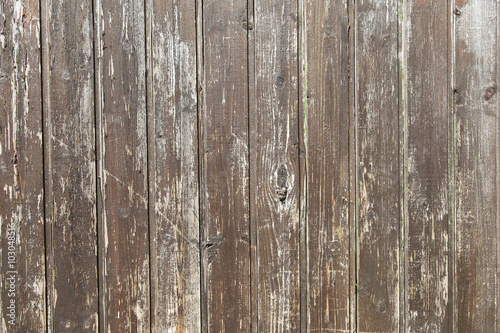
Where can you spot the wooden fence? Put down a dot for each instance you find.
(249, 166)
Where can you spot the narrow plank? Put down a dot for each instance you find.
(252, 116)
(426, 158)
(353, 246)
(70, 175)
(477, 149)
(326, 135)
(175, 257)
(378, 170)
(122, 165)
(21, 164)
(274, 169)
(225, 168)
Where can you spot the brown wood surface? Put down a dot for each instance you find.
(122, 165)
(70, 169)
(250, 165)
(426, 91)
(476, 158)
(225, 168)
(173, 142)
(21, 172)
(326, 136)
(377, 141)
(274, 170)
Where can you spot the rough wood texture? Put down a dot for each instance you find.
(250, 165)
(173, 157)
(70, 176)
(21, 172)
(275, 167)
(377, 86)
(122, 165)
(477, 149)
(425, 75)
(326, 135)
(225, 168)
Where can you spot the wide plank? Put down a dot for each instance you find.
(426, 92)
(224, 168)
(274, 172)
(122, 165)
(327, 167)
(173, 165)
(378, 165)
(476, 164)
(21, 169)
(70, 168)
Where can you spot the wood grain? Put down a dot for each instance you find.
(225, 168)
(250, 166)
(122, 165)
(426, 154)
(173, 137)
(378, 184)
(477, 149)
(70, 173)
(274, 170)
(21, 172)
(326, 137)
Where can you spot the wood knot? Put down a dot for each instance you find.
(280, 80)
(211, 247)
(282, 179)
(381, 307)
(489, 93)
(282, 193)
(459, 100)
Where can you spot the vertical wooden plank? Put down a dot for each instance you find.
(225, 168)
(70, 177)
(175, 257)
(477, 149)
(326, 136)
(274, 170)
(426, 158)
(378, 206)
(353, 177)
(122, 165)
(21, 169)
(252, 121)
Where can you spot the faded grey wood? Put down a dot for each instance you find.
(426, 91)
(274, 172)
(327, 166)
(477, 148)
(122, 165)
(70, 173)
(378, 169)
(21, 173)
(224, 167)
(173, 158)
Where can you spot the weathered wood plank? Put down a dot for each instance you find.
(225, 168)
(377, 141)
(353, 177)
(274, 169)
(426, 158)
(477, 149)
(173, 137)
(21, 169)
(122, 165)
(326, 136)
(70, 176)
